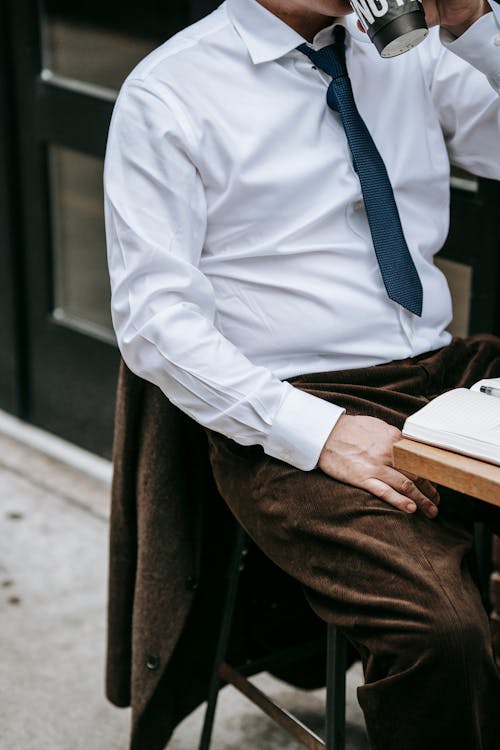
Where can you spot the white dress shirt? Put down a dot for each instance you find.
(239, 249)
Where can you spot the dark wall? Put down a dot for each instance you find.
(152, 18)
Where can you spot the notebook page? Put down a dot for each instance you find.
(461, 412)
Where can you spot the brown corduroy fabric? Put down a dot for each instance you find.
(400, 586)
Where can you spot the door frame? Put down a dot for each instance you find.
(70, 375)
(58, 375)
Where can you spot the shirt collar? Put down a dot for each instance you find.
(268, 38)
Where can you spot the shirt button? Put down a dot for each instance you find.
(358, 206)
(496, 40)
(152, 662)
(191, 583)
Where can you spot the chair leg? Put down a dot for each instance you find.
(235, 568)
(335, 689)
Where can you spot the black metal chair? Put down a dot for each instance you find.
(336, 662)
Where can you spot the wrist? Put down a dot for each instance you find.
(327, 447)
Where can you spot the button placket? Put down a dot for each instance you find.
(303, 65)
(407, 321)
(358, 221)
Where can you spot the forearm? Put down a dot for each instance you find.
(477, 40)
(464, 75)
(208, 378)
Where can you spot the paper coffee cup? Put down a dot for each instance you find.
(394, 26)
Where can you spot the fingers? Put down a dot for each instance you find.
(427, 488)
(359, 452)
(431, 12)
(404, 492)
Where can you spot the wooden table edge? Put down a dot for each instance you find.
(468, 475)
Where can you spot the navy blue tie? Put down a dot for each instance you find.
(398, 271)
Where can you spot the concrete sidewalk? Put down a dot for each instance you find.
(54, 504)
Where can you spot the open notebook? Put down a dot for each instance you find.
(462, 420)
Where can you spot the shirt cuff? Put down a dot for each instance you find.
(300, 428)
(480, 44)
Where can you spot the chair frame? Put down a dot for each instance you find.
(224, 673)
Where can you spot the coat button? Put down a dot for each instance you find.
(152, 662)
(191, 583)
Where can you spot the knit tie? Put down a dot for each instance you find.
(398, 270)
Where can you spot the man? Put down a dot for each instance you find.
(250, 283)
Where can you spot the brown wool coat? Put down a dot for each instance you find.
(166, 575)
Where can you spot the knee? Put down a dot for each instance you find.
(456, 635)
(446, 640)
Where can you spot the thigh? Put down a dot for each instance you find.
(365, 565)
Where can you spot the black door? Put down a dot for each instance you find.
(63, 66)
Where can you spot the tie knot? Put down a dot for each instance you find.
(330, 59)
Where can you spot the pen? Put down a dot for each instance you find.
(490, 391)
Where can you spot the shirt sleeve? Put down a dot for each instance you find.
(163, 306)
(465, 87)
(480, 45)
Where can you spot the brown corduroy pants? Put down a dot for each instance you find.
(400, 586)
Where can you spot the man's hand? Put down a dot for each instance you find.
(359, 452)
(454, 15)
